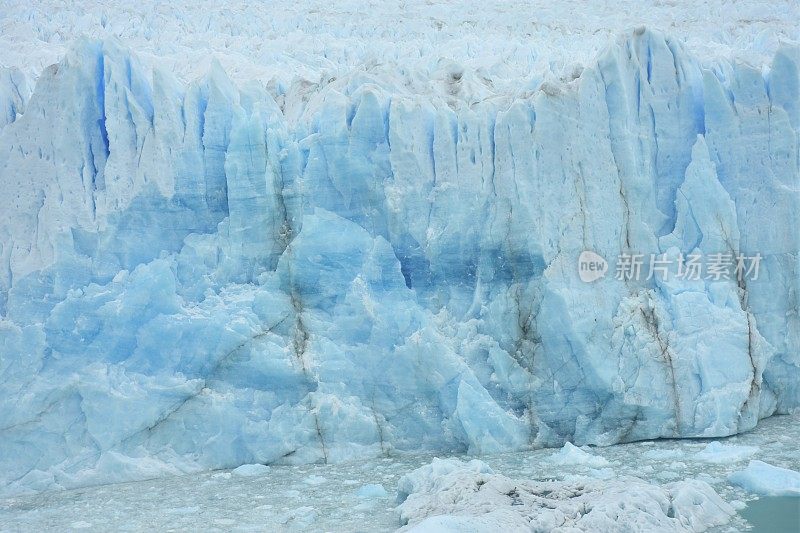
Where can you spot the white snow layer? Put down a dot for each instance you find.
(367, 247)
(309, 42)
(451, 495)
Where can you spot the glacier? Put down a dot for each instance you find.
(205, 274)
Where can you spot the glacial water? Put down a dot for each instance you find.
(775, 514)
(325, 497)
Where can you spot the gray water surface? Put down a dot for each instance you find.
(323, 498)
(773, 514)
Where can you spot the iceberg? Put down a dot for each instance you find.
(206, 274)
(716, 452)
(767, 480)
(450, 495)
(572, 455)
(255, 470)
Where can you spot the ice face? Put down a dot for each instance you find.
(190, 280)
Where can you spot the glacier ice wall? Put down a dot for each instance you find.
(189, 279)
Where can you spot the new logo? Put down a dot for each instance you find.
(591, 266)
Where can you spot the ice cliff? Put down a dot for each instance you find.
(214, 273)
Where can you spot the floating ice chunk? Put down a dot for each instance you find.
(185, 510)
(711, 480)
(767, 480)
(314, 479)
(437, 474)
(738, 505)
(572, 455)
(500, 521)
(301, 516)
(716, 452)
(253, 470)
(602, 473)
(667, 475)
(456, 496)
(372, 490)
(659, 454)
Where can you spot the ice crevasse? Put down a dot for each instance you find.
(209, 274)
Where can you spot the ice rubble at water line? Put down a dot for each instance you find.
(451, 495)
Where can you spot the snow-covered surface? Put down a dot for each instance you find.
(768, 480)
(412, 39)
(281, 500)
(451, 495)
(325, 246)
